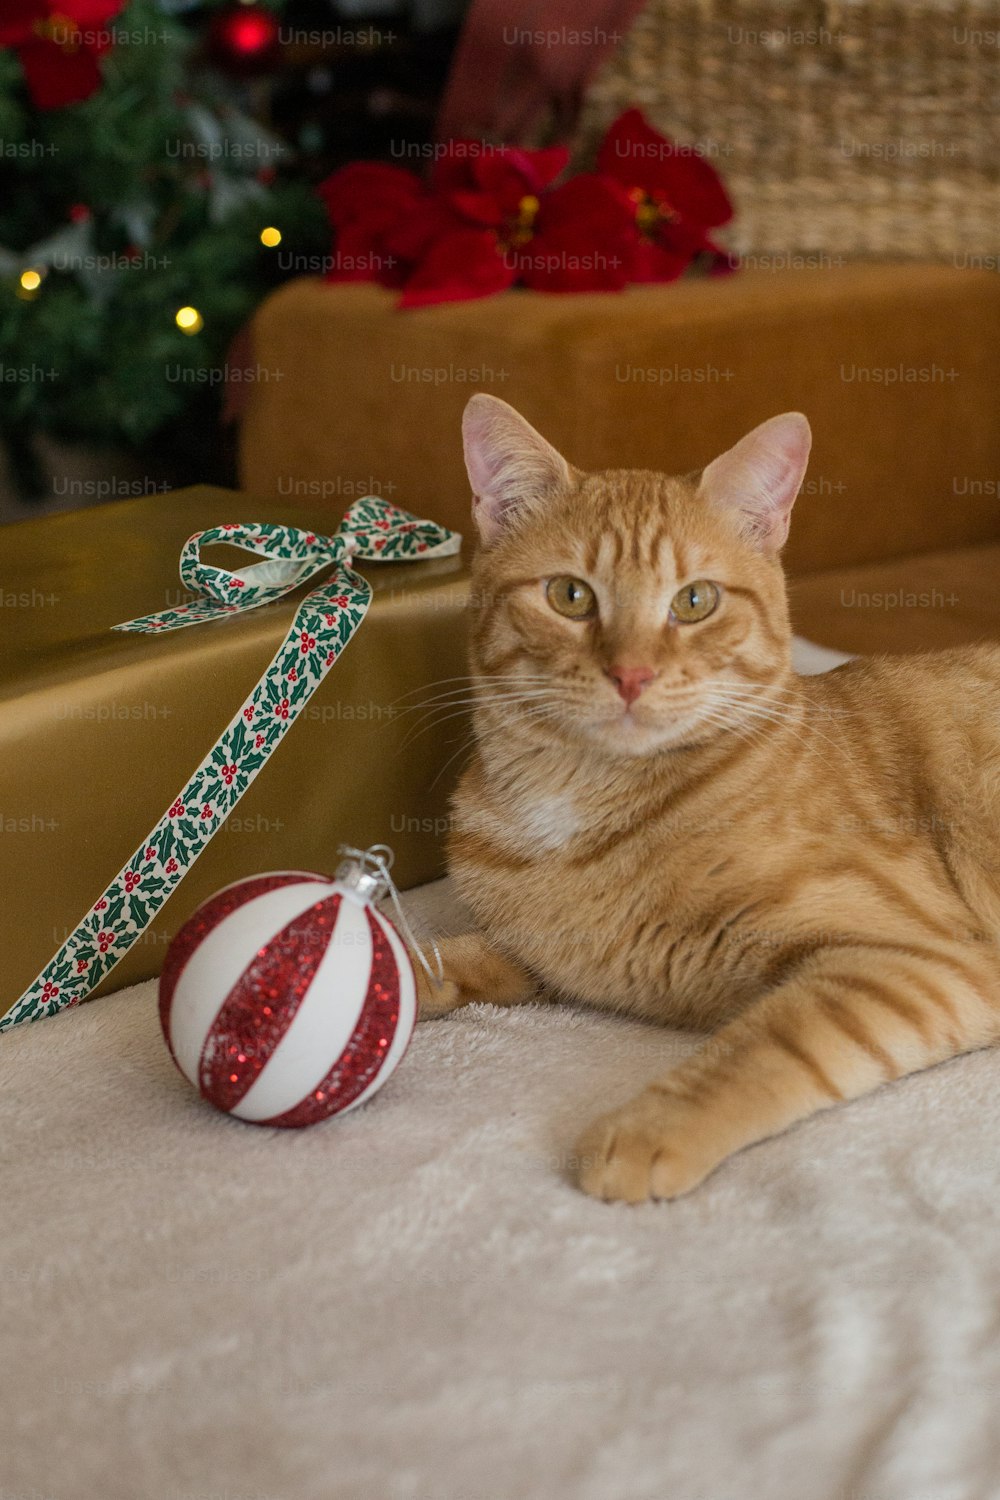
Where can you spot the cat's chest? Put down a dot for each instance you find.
(538, 822)
(614, 921)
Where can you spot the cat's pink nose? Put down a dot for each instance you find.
(631, 681)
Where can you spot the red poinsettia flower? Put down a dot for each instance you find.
(676, 195)
(490, 218)
(511, 226)
(58, 43)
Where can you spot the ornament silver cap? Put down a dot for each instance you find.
(365, 871)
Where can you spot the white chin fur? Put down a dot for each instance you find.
(625, 736)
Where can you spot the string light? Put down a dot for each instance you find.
(30, 282)
(270, 237)
(189, 319)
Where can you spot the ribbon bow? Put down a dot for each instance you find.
(324, 622)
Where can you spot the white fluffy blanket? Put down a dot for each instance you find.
(414, 1302)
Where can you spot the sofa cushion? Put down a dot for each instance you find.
(920, 603)
(895, 366)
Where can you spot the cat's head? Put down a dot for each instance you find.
(629, 609)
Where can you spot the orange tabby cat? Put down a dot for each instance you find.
(661, 819)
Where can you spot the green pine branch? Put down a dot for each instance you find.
(146, 197)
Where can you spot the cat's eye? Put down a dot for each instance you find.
(694, 602)
(571, 597)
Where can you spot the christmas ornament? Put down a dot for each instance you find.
(243, 38)
(289, 997)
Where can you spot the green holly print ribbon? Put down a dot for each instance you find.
(325, 621)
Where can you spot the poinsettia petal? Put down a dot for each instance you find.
(87, 13)
(481, 208)
(587, 199)
(20, 20)
(560, 261)
(410, 235)
(630, 142)
(681, 237)
(502, 179)
(585, 240)
(637, 155)
(453, 169)
(657, 263)
(361, 255)
(369, 190)
(538, 168)
(17, 24)
(465, 264)
(56, 78)
(507, 173)
(693, 186)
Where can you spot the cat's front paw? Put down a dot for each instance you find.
(472, 972)
(646, 1149)
(435, 1000)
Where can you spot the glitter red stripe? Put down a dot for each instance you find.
(263, 1003)
(201, 923)
(368, 1047)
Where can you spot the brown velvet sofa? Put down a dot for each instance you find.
(895, 544)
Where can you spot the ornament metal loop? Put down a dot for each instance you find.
(366, 871)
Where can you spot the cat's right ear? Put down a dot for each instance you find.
(511, 466)
(756, 482)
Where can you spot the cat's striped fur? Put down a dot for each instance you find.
(806, 867)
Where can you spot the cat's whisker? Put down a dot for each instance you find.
(467, 745)
(437, 712)
(772, 714)
(422, 729)
(779, 714)
(473, 677)
(505, 695)
(533, 711)
(485, 700)
(437, 717)
(750, 734)
(795, 695)
(757, 698)
(472, 684)
(740, 707)
(802, 710)
(735, 707)
(467, 688)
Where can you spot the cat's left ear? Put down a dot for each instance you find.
(757, 481)
(511, 466)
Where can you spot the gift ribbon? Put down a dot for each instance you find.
(324, 622)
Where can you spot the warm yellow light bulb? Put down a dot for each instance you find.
(189, 319)
(270, 237)
(31, 280)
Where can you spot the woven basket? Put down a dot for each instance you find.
(868, 127)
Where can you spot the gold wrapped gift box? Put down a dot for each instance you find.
(100, 730)
(896, 367)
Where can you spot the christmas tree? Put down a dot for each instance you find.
(142, 204)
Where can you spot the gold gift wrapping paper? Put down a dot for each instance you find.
(100, 730)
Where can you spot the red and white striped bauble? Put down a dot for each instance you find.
(287, 998)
